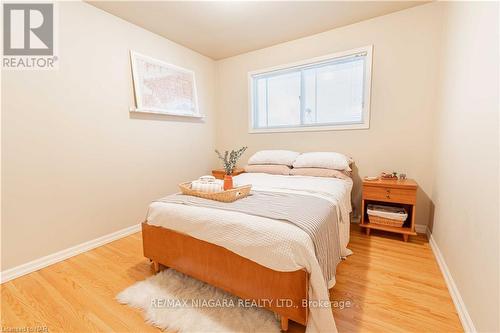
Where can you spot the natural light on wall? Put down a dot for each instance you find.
(327, 93)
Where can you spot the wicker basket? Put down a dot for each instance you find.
(387, 215)
(381, 220)
(223, 196)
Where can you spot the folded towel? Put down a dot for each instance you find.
(210, 187)
(207, 179)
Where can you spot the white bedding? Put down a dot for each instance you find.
(276, 244)
(335, 190)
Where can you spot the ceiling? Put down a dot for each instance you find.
(221, 29)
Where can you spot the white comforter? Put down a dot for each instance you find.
(278, 245)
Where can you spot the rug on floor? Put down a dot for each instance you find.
(174, 301)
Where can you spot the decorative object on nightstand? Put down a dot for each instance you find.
(399, 193)
(389, 175)
(229, 160)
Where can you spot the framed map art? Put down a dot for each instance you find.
(163, 88)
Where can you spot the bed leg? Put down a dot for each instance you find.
(284, 324)
(156, 266)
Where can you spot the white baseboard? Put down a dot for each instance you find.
(356, 219)
(463, 314)
(420, 228)
(37, 264)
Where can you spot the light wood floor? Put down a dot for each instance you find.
(393, 286)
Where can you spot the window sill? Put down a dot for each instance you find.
(309, 128)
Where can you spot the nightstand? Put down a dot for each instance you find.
(219, 173)
(399, 193)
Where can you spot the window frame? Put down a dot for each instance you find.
(365, 124)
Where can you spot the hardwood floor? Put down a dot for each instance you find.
(392, 287)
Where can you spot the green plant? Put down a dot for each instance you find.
(229, 159)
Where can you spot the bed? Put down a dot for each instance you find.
(250, 256)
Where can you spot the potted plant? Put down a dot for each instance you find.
(229, 160)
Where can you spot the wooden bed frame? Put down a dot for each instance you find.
(226, 270)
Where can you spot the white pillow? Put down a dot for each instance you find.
(327, 160)
(283, 157)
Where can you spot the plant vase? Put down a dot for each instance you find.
(229, 160)
(228, 182)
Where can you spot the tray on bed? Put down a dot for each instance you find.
(223, 196)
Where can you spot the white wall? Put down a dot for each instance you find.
(75, 164)
(466, 180)
(405, 51)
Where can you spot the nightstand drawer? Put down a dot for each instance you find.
(388, 194)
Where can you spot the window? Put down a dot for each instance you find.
(326, 93)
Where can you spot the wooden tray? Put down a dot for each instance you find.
(223, 196)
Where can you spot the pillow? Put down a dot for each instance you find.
(273, 169)
(326, 160)
(282, 157)
(320, 172)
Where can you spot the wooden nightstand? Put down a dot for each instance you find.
(400, 193)
(219, 173)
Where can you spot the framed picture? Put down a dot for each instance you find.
(163, 88)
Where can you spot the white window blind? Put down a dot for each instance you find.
(331, 93)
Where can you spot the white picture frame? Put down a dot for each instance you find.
(163, 88)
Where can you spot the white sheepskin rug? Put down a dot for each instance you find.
(176, 302)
